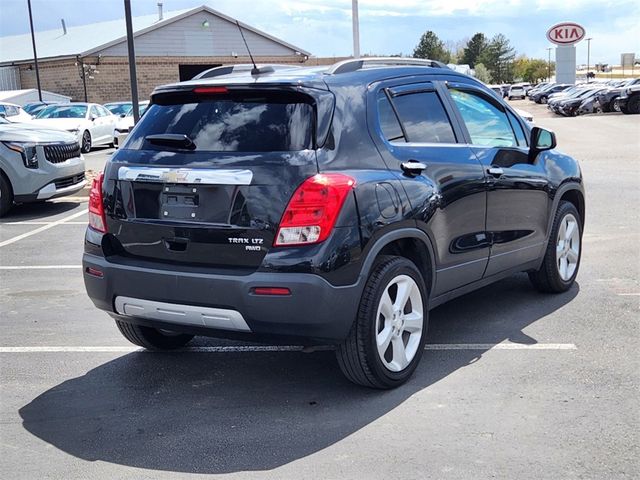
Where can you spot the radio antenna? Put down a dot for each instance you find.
(255, 70)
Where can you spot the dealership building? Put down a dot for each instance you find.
(90, 62)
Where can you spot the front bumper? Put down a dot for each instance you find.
(218, 305)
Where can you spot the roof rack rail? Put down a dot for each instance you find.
(241, 68)
(355, 64)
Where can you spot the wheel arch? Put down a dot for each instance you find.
(4, 175)
(571, 192)
(410, 243)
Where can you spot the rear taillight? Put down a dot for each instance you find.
(313, 209)
(97, 219)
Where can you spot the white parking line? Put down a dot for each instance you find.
(42, 223)
(287, 348)
(629, 294)
(42, 229)
(38, 267)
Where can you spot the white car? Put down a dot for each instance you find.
(125, 122)
(91, 123)
(13, 113)
(516, 91)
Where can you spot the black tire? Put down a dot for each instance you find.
(614, 105)
(547, 278)
(6, 195)
(86, 142)
(152, 338)
(633, 104)
(357, 355)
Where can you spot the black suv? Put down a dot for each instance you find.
(327, 205)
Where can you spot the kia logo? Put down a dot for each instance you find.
(566, 33)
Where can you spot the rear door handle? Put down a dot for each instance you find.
(495, 171)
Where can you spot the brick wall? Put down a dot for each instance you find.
(111, 82)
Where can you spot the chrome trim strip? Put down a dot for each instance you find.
(186, 175)
(182, 314)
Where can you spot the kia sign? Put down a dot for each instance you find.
(566, 33)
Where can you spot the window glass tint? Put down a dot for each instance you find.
(69, 111)
(388, 120)
(94, 112)
(227, 125)
(11, 110)
(487, 125)
(424, 118)
(119, 108)
(103, 111)
(517, 127)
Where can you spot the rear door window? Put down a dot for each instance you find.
(423, 118)
(265, 122)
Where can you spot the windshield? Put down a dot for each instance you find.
(119, 108)
(68, 111)
(249, 124)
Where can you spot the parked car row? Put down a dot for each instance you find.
(586, 98)
(41, 146)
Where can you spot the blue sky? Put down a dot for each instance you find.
(323, 27)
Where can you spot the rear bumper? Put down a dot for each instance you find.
(315, 310)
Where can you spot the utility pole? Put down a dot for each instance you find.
(588, 56)
(356, 28)
(549, 65)
(132, 62)
(35, 55)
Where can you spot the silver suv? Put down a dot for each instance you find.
(37, 164)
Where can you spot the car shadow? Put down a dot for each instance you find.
(232, 412)
(25, 212)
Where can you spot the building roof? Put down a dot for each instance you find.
(86, 40)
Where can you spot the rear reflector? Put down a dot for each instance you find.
(278, 291)
(210, 90)
(95, 272)
(97, 219)
(313, 209)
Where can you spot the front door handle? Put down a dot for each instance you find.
(495, 171)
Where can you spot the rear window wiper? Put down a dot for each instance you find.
(175, 140)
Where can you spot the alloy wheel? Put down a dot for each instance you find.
(568, 247)
(399, 323)
(86, 141)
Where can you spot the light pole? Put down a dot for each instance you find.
(35, 54)
(588, 56)
(549, 65)
(132, 61)
(356, 28)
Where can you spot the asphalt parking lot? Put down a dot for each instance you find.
(514, 383)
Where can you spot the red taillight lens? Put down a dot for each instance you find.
(97, 219)
(210, 90)
(313, 209)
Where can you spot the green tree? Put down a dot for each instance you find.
(482, 74)
(431, 47)
(530, 69)
(474, 49)
(498, 57)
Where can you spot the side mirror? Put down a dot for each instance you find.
(3, 115)
(541, 140)
(92, 118)
(122, 115)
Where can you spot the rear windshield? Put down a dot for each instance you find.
(249, 123)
